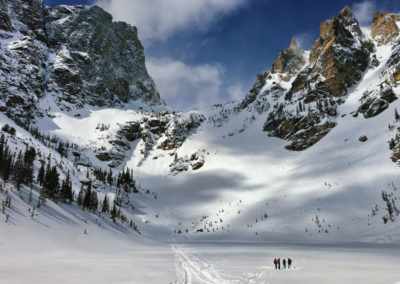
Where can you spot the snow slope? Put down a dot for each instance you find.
(250, 187)
(325, 193)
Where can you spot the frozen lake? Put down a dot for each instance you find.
(313, 263)
(36, 258)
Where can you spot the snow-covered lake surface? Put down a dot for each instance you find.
(110, 257)
(313, 263)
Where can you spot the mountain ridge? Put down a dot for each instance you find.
(287, 161)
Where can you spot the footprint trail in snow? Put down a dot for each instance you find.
(192, 269)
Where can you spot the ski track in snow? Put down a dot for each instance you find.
(192, 269)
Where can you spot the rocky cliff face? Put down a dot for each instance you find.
(22, 59)
(75, 54)
(289, 62)
(336, 61)
(301, 92)
(94, 60)
(384, 28)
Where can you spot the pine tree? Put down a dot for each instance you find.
(51, 183)
(2, 142)
(79, 200)
(110, 177)
(40, 176)
(396, 115)
(45, 181)
(114, 213)
(106, 206)
(29, 158)
(63, 190)
(119, 212)
(66, 193)
(94, 202)
(6, 164)
(87, 199)
(19, 171)
(70, 192)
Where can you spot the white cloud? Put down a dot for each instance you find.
(159, 19)
(185, 87)
(236, 91)
(304, 40)
(363, 11)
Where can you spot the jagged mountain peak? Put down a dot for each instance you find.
(73, 56)
(347, 16)
(289, 61)
(293, 44)
(337, 60)
(100, 48)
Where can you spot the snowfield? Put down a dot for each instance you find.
(104, 257)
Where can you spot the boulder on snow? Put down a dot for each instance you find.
(363, 138)
(103, 157)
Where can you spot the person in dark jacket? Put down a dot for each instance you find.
(279, 263)
(276, 263)
(284, 263)
(289, 262)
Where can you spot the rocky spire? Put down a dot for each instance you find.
(341, 53)
(290, 60)
(293, 44)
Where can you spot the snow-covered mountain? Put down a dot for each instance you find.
(309, 154)
(75, 55)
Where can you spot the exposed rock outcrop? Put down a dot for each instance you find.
(76, 54)
(95, 60)
(336, 61)
(384, 27)
(289, 61)
(339, 55)
(165, 131)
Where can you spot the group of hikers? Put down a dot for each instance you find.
(277, 263)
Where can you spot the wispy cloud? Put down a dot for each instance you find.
(305, 40)
(185, 87)
(159, 19)
(363, 11)
(236, 91)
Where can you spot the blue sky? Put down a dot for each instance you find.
(202, 52)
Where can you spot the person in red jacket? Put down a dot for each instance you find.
(276, 263)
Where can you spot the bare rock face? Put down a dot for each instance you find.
(376, 101)
(384, 28)
(289, 61)
(77, 54)
(96, 61)
(336, 61)
(22, 59)
(341, 53)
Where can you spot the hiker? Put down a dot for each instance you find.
(284, 263)
(289, 262)
(279, 263)
(276, 263)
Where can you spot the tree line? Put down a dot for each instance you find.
(18, 167)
